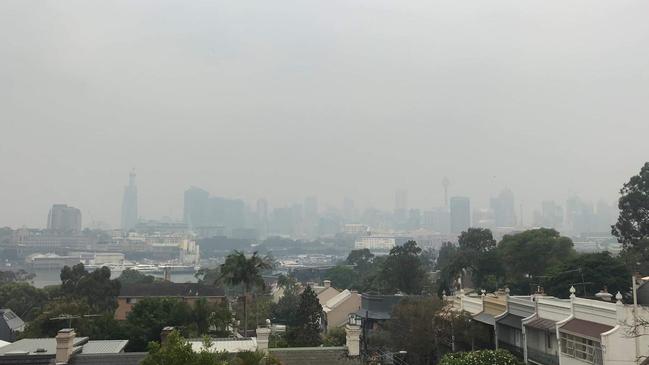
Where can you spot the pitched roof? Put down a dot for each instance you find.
(584, 328)
(123, 358)
(511, 320)
(314, 356)
(37, 346)
(485, 318)
(167, 289)
(13, 321)
(335, 301)
(541, 324)
(104, 347)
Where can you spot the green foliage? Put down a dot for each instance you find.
(178, 351)
(599, 269)
(361, 259)
(530, 253)
(149, 316)
(633, 223)
(284, 311)
(342, 276)
(476, 240)
(23, 298)
(15, 276)
(96, 288)
(306, 331)
(130, 276)
(335, 337)
(411, 328)
(403, 270)
(484, 357)
(246, 272)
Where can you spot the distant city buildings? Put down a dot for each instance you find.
(503, 208)
(203, 213)
(129, 204)
(64, 219)
(460, 214)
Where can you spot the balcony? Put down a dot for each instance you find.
(542, 358)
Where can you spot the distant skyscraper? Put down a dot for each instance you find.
(262, 217)
(129, 204)
(349, 211)
(503, 209)
(401, 209)
(550, 216)
(64, 219)
(460, 214)
(195, 210)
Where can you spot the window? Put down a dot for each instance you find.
(131, 300)
(581, 348)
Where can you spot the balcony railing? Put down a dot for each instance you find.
(515, 350)
(541, 357)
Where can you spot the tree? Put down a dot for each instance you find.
(600, 270)
(96, 288)
(411, 328)
(241, 270)
(15, 276)
(342, 277)
(477, 240)
(24, 299)
(633, 223)
(361, 259)
(528, 254)
(483, 357)
(335, 337)
(130, 277)
(403, 269)
(306, 331)
(150, 315)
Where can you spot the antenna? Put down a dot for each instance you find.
(70, 317)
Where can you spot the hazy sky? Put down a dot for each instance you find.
(283, 99)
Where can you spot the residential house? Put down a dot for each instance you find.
(509, 325)
(337, 309)
(539, 330)
(325, 292)
(189, 293)
(493, 305)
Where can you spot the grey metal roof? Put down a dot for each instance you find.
(13, 321)
(104, 347)
(37, 346)
(373, 314)
(123, 358)
(511, 320)
(485, 318)
(542, 324)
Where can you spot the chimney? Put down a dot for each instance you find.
(327, 283)
(353, 339)
(164, 334)
(64, 345)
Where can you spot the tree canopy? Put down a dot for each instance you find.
(633, 223)
(306, 329)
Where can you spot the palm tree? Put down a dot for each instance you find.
(245, 271)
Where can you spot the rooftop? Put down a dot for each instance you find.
(167, 289)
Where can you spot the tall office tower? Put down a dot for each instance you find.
(445, 184)
(580, 216)
(229, 213)
(504, 210)
(195, 211)
(551, 215)
(604, 217)
(311, 217)
(262, 217)
(349, 211)
(64, 219)
(460, 214)
(401, 209)
(129, 204)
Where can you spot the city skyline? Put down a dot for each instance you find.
(216, 95)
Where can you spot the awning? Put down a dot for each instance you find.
(511, 320)
(582, 328)
(542, 324)
(485, 318)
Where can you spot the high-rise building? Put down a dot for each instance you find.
(550, 216)
(195, 211)
(129, 204)
(262, 217)
(503, 209)
(460, 214)
(64, 219)
(349, 211)
(311, 217)
(401, 209)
